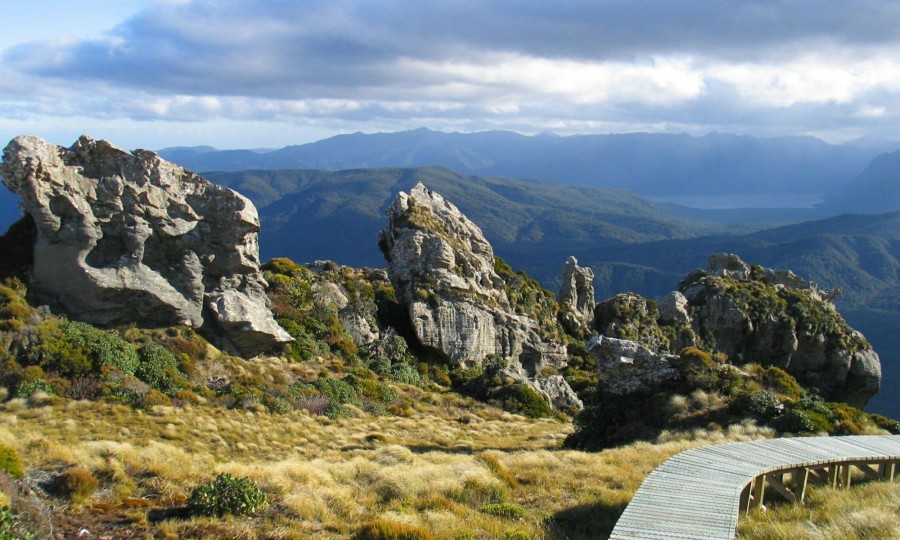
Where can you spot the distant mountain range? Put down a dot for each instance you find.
(650, 164)
(876, 189)
(336, 215)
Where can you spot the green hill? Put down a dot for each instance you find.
(339, 213)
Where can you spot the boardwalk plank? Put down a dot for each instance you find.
(695, 495)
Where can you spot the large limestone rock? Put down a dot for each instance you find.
(442, 270)
(130, 238)
(577, 295)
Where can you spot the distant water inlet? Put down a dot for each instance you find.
(699, 493)
(743, 200)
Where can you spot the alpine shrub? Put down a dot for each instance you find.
(10, 462)
(159, 368)
(227, 495)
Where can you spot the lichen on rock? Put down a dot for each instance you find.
(126, 237)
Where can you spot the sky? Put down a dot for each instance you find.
(266, 74)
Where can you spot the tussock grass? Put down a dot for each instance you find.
(865, 512)
(436, 471)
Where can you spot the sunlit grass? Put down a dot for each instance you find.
(435, 471)
(864, 512)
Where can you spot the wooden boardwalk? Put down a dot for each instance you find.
(699, 493)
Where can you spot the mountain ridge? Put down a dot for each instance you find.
(649, 163)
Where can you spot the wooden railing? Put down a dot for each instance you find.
(699, 493)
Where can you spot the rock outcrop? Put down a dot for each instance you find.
(355, 306)
(443, 270)
(777, 318)
(627, 367)
(576, 294)
(130, 238)
(754, 314)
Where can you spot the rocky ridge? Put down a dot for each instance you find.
(126, 237)
(443, 271)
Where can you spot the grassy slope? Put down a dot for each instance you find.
(436, 468)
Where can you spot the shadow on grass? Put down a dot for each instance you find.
(585, 521)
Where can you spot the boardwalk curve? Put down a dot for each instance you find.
(699, 493)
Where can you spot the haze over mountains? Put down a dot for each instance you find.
(650, 164)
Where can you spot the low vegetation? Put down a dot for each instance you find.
(158, 432)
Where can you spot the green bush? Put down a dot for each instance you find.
(10, 462)
(885, 423)
(55, 350)
(28, 387)
(764, 404)
(519, 398)
(159, 368)
(406, 374)
(227, 495)
(283, 266)
(103, 348)
(504, 510)
(277, 403)
(780, 382)
(336, 410)
(376, 390)
(795, 421)
(338, 390)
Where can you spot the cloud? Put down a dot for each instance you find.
(568, 65)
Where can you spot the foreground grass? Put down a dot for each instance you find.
(865, 512)
(456, 469)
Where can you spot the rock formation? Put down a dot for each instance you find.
(754, 314)
(777, 318)
(632, 317)
(442, 270)
(627, 367)
(130, 238)
(577, 295)
(357, 312)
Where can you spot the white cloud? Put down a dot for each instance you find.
(580, 67)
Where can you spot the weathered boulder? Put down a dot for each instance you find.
(130, 238)
(673, 309)
(576, 294)
(350, 292)
(632, 317)
(443, 270)
(627, 367)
